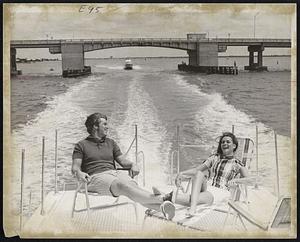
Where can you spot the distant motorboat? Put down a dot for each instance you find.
(128, 64)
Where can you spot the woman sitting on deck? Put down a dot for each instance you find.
(223, 168)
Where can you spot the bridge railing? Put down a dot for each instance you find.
(35, 42)
(134, 39)
(254, 40)
(184, 40)
(153, 39)
(114, 40)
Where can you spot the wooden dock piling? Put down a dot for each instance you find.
(227, 70)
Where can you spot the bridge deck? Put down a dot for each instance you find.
(284, 43)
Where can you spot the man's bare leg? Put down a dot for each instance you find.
(136, 194)
(143, 197)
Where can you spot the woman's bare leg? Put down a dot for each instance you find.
(203, 198)
(204, 185)
(197, 181)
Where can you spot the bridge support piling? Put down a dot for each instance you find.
(204, 57)
(72, 55)
(260, 58)
(13, 63)
(193, 58)
(251, 58)
(256, 66)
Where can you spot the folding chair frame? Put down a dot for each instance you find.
(241, 213)
(89, 208)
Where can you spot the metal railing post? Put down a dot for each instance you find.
(277, 168)
(136, 145)
(232, 129)
(144, 168)
(178, 148)
(144, 171)
(43, 159)
(171, 168)
(55, 176)
(256, 136)
(22, 189)
(30, 198)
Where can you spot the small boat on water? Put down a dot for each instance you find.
(128, 65)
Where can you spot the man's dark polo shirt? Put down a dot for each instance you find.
(97, 155)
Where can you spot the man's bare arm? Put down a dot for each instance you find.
(193, 171)
(134, 169)
(76, 170)
(124, 162)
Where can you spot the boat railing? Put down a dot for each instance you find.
(22, 188)
(174, 153)
(43, 170)
(175, 160)
(143, 162)
(55, 164)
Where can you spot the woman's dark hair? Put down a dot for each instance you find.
(234, 140)
(93, 119)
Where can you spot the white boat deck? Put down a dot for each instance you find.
(57, 220)
(120, 221)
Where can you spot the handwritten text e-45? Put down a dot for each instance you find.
(89, 9)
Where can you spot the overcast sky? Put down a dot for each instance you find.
(62, 21)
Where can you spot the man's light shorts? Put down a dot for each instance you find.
(101, 182)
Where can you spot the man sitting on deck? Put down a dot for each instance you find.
(93, 162)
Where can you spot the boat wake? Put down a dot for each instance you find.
(151, 133)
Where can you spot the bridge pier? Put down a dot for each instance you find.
(13, 63)
(72, 55)
(204, 56)
(258, 66)
(193, 57)
(204, 59)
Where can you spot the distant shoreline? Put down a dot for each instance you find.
(153, 57)
(25, 60)
(248, 56)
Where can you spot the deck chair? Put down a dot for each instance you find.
(280, 218)
(208, 217)
(83, 189)
(245, 154)
(245, 151)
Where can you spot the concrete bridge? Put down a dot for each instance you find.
(201, 50)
